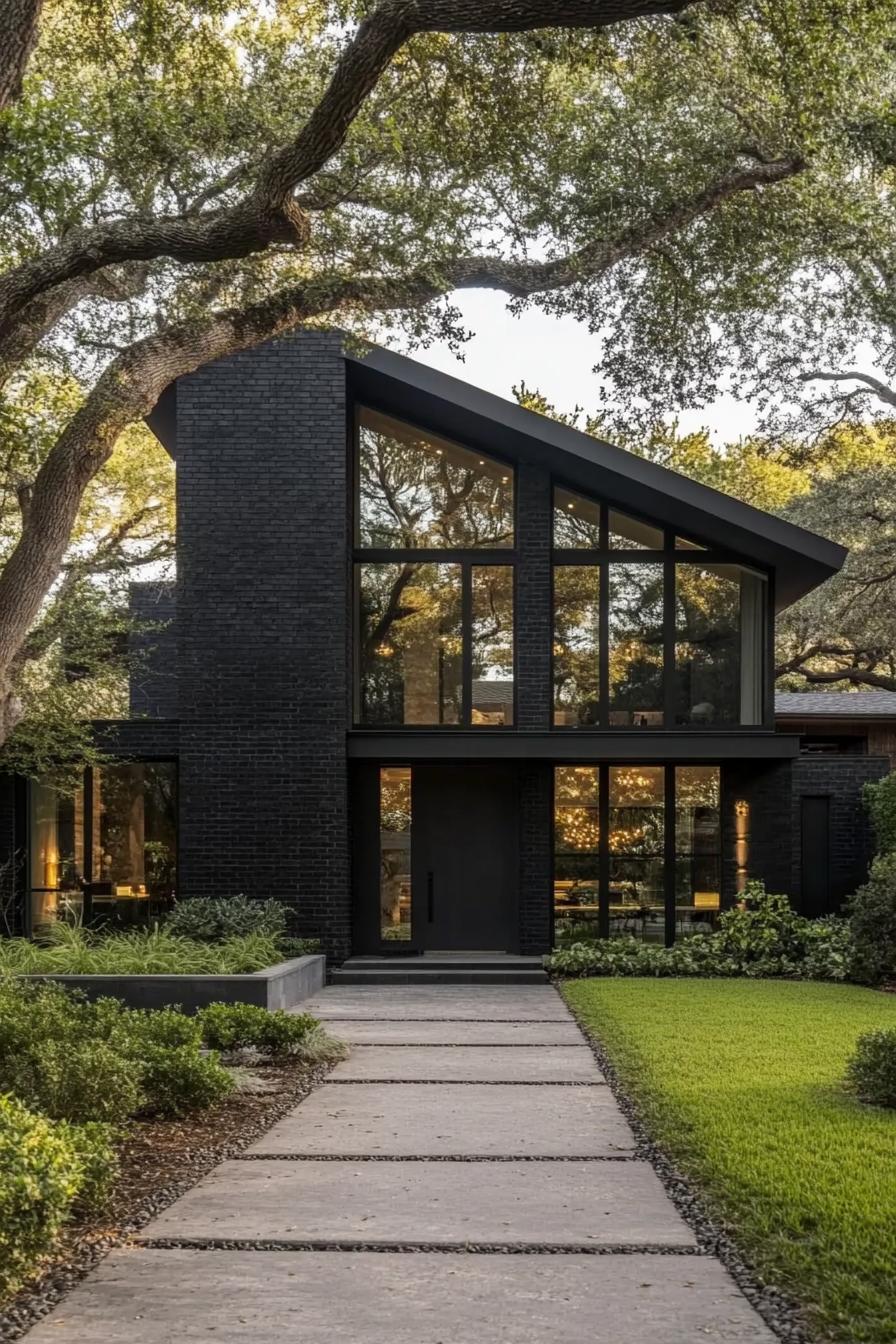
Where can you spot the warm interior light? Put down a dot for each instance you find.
(741, 843)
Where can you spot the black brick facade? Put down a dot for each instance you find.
(153, 646)
(263, 610)
(851, 842)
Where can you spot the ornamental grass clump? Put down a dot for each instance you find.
(72, 950)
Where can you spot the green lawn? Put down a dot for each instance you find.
(740, 1082)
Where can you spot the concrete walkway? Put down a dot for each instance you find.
(465, 1177)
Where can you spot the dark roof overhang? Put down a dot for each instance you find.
(801, 559)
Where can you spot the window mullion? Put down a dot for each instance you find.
(466, 643)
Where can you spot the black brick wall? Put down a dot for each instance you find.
(535, 792)
(263, 608)
(766, 788)
(841, 779)
(153, 672)
(533, 615)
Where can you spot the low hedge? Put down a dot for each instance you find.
(763, 938)
(45, 1170)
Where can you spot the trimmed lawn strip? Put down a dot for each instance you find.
(741, 1083)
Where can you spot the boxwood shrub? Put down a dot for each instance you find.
(234, 1026)
(871, 1072)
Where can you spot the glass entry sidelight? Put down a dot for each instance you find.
(448, 858)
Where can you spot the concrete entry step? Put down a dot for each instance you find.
(156, 1296)
(440, 971)
(558, 1204)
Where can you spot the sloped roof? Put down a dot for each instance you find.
(836, 704)
(801, 559)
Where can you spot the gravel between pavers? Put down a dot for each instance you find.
(779, 1311)
(160, 1161)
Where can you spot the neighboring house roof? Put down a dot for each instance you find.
(835, 704)
(459, 410)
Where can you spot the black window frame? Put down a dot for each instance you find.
(467, 558)
(601, 558)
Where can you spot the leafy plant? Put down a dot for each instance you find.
(44, 1168)
(880, 800)
(871, 1071)
(209, 919)
(872, 922)
(182, 1079)
(71, 950)
(233, 1026)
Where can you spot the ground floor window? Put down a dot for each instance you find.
(108, 851)
(395, 853)
(637, 850)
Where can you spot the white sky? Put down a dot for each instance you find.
(554, 355)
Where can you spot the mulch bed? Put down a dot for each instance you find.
(160, 1161)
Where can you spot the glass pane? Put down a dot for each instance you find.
(720, 619)
(636, 842)
(630, 534)
(698, 845)
(56, 850)
(491, 634)
(134, 840)
(418, 490)
(576, 521)
(395, 854)
(685, 544)
(576, 646)
(576, 843)
(636, 645)
(409, 645)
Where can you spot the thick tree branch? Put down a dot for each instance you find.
(18, 34)
(269, 214)
(875, 385)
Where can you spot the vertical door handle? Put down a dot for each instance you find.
(430, 898)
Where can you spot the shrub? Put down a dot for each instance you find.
(764, 928)
(97, 1162)
(872, 922)
(181, 1080)
(40, 1176)
(299, 947)
(75, 1080)
(212, 919)
(880, 800)
(871, 1072)
(233, 1026)
(828, 949)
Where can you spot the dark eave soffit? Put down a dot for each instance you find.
(801, 559)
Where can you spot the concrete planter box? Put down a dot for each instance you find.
(280, 986)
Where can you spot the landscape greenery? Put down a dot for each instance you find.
(706, 187)
(74, 1072)
(68, 950)
(741, 1082)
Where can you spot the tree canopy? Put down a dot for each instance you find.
(705, 184)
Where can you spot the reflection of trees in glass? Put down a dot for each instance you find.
(636, 637)
(576, 521)
(491, 636)
(707, 651)
(576, 645)
(395, 850)
(637, 810)
(416, 490)
(410, 643)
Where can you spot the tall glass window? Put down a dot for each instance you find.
(410, 644)
(719, 625)
(491, 645)
(395, 853)
(636, 843)
(698, 848)
(635, 654)
(576, 848)
(576, 646)
(416, 490)
(55, 854)
(576, 521)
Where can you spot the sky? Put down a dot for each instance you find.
(555, 356)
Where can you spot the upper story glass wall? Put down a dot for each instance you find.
(434, 581)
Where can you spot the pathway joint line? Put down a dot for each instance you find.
(469, 1082)
(633, 1156)
(262, 1244)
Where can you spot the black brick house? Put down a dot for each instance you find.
(440, 673)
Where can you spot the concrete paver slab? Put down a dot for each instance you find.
(474, 1064)
(366, 1031)
(466, 1002)
(541, 1203)
(156, 1296)
(454, 1119)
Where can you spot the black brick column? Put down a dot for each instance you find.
(263, 609)
(536, 860)
(533, 598)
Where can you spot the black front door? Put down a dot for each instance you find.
(465, 858)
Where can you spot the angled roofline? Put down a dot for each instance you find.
(801, 559)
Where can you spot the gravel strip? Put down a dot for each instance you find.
(433, 1157)
(412, 1247)
(779, 1311)
(467, 1082)
(160, 1161)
